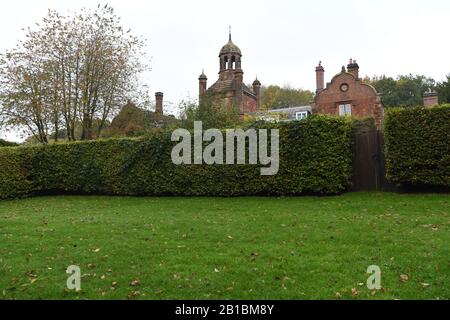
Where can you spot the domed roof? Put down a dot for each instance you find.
(203, 76)
(256, 82)
(230, 47)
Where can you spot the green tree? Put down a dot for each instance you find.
(405, 91)
(275, 97)
(443, 89)
(213, 112)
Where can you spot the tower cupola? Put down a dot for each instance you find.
(230, 57)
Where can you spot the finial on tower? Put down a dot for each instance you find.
(229, 28)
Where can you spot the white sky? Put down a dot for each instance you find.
(281, 41)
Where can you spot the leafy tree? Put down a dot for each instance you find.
(405, 91)
(78, 68)
(213, 112)
(443, 89)
(275, 97)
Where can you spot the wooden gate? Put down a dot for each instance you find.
(369, 167)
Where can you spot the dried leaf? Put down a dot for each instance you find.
(135, 283)
(404, 278)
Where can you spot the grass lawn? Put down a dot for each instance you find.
(218, 248)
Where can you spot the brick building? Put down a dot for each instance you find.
(230, 88)
(347, 94)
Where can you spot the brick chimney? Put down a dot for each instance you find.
(353, 68)
(257, 91)
(159, 103)
(239, 85)
(202, 83)
(430, 98)
(320, 77)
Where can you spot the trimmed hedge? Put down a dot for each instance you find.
(418, 146)
(315, 158)
(14, 172)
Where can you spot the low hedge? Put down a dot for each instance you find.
(315, 158)
(418, 146)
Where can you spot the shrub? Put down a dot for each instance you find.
(315, 157)
(418, 146)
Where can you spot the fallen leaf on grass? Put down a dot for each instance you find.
(404, 278)
(134, 294)
(135, 283)
(354, 292)
(425, 285)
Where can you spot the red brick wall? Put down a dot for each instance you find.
(363, 98)
(430, 99)
(248, 104)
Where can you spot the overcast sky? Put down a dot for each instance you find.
(281, 41)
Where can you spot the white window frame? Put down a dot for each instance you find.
(300, 115)
(345, 109)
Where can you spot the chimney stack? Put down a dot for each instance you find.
(202, 82)
(353, 68)
(430, 98)
(320, 77)
(257, 91)
(159, 103)
(239, 85)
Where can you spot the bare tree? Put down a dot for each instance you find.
(73, 70)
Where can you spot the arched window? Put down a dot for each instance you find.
(233, 63)
(225, 63)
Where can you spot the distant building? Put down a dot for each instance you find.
(347, 95)
(430, 98)
(292, 113)
(134, 121)
(230, 88)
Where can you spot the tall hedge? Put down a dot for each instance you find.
(315, 158)
(15, 169)
(418, 146)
